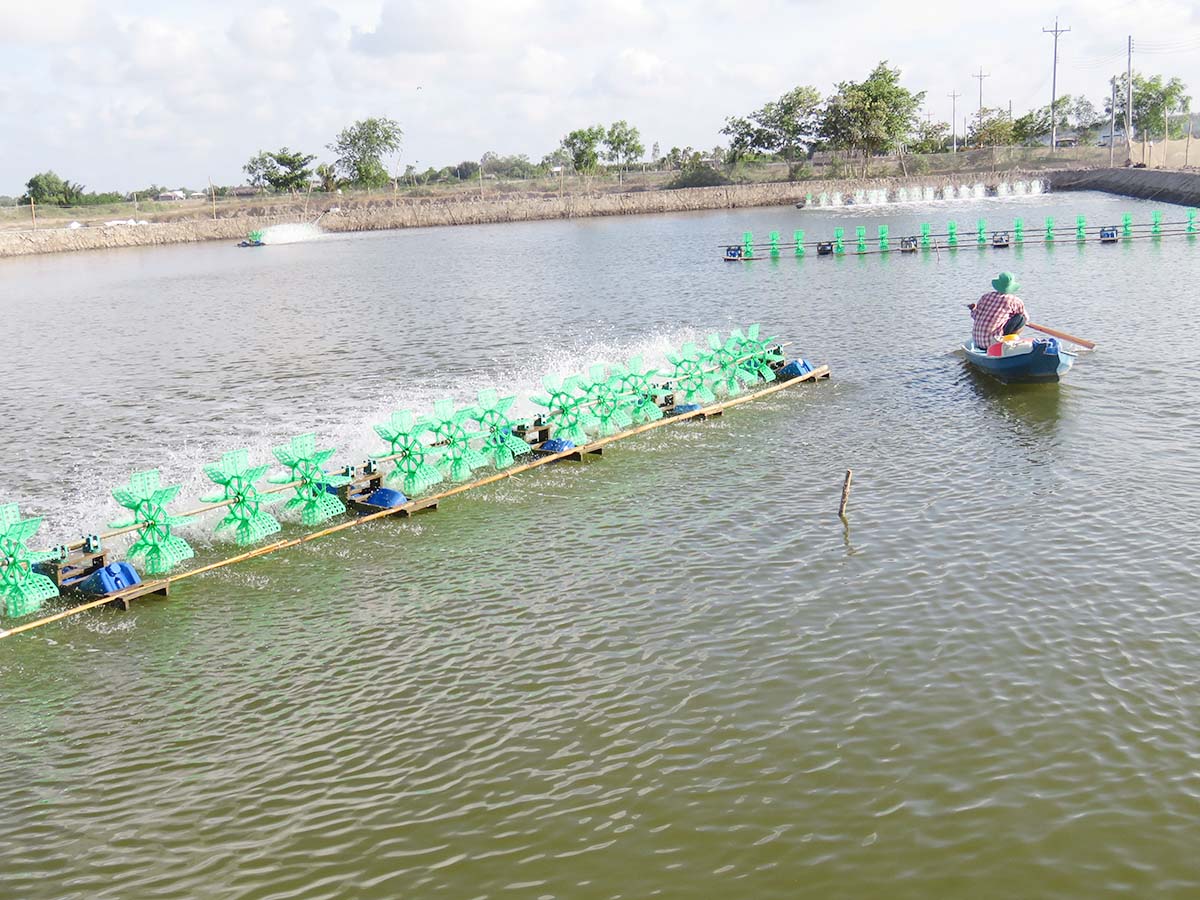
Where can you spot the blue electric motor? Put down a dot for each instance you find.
(113, 577)
(558, 445)
(795, 369)
(386, 498)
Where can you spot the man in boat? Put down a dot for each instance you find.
(998, 312)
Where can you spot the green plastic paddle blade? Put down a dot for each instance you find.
(634, 381)
(726, 359)
(303, 463)
(500, 446)
(757, 354)
(413, 458)
(22, 590)
(690, 375)
(160, 550)
(236, 478)
(447, 426)
(606, 401)
(566, 415)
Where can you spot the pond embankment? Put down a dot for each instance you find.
(377, 213)
(1181, 187)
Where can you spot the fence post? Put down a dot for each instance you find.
(32, 211)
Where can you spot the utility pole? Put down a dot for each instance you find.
(1056, 31)
(1129, 104)
(1112, 124)
(954, 95)
(981, 76)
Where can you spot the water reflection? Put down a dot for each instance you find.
(1036, 406)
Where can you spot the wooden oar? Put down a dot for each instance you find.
(1091, 345)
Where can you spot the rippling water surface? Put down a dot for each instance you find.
(668, 672)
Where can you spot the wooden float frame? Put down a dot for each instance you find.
(161, 587)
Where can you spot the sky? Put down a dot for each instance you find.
(118, 95)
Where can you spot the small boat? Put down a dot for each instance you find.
(1026, 362)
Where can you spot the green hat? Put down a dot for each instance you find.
(1006, 283)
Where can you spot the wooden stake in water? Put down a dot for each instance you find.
(845, 492)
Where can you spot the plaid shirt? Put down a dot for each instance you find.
(990, 313)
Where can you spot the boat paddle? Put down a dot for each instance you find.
(1090, 345)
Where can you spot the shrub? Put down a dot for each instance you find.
(699, 177)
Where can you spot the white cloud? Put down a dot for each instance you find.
(121, 95)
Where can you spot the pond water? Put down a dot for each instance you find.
(669, 672)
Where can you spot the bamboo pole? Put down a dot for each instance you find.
(845, 493)
(32, 211)
(416, 505)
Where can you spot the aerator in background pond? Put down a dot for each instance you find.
(253, 239)
(1001, 238)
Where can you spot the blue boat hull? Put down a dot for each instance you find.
(1047, 362)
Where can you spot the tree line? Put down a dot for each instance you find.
(862, 119)
(879, 116)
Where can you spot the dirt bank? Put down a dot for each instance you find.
(1182, 187)
(383, 213)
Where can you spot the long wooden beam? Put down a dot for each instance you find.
(159, 585)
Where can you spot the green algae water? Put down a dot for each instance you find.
(669, 672)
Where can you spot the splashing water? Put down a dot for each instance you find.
(291, 233)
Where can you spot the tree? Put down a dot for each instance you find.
(290, 171)
(1085, 119)
(1036, 125)
(555, 159)
(1153, 98)
(787, 126)
(465, 170)
(993, 129)
(260, 170)
(930, 137)
(874, 116)
(328, 177)
(47, 189)
(623, 143)
(582, 145)
(44, 188)
(361, 148)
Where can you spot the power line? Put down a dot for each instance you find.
(1056, 31)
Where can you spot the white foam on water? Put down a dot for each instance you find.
(291, 233)
(349, 430)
